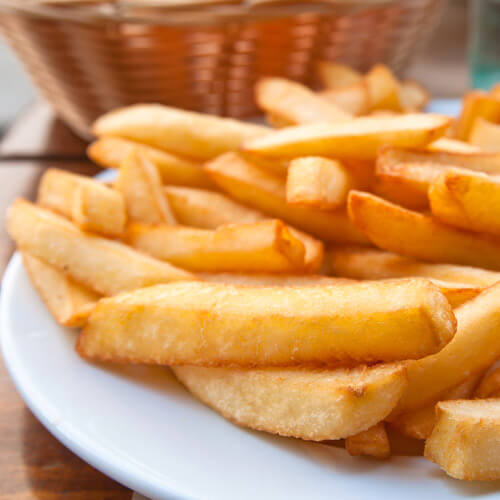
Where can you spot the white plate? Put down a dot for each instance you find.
(139, 426)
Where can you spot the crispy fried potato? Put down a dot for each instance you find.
(413, 234)
(373, 442)
(419, 424)
(211, 324)
(335, 75)
(404, 176)
(110, 152)
(489, 386)
(209, 210)
(186, 133)
(356, 139)
(91, 205)
(252, 186)
(476, 104)
(278, 121)
(266, 246)
(353, 99)
(413, 96)
(485, 135)
(468, 200)
(319, 182)
(259, 279)
(304, 403)
(140, 183)
(465, 441)
(295, 103)
(473, 349)
(449, 145)
(69, 303)
(106, 267)
(383, 89)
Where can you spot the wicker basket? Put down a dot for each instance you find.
(89, 57)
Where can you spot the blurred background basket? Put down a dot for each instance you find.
(87, 57)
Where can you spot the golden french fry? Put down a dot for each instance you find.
(259, 189)
(105, 266)
(359, 138)
(318, 182)
(383, 89)
(485, 135)
(476, 104)
(186, 133)
(266, 246)
(140, 183)
(91, 205)
(413, 96)
(295, 103)
(465, 441)
(259, 279)
(449, 145)
(353, 99)
(473, 349)
(413, 234)
(335, 75)
(467, 200)
(209, 210)
(69, 303)
(110, 152)
(211, 324)
(419, 424)
(304, 403)
(373, 442)
(278, 121)
(489, 386)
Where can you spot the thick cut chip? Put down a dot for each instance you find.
(264, 191)
(476, 104)
(490, 385)
(186, 133)
(467, 200)
(383, 89)
(373, 442)
(211, 324)
(90, 204)
(209, 210)
(140, 183)
(465, 441)
(266, 246)
(335, 75)
(319, 183)
(359, 138)
(260, 279)
(310, 404)
(413, 234)
(105, 266)
(353, 99)
(175, 170)
(473, 349)
(449, 145)
(485, 134)
(413, 96)
(69, 303)
(295, 103)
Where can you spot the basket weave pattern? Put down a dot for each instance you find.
(86, 66)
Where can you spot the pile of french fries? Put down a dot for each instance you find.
(330, 278)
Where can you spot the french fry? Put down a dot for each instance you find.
(266, 246)
(413, 96)
(489, 386)
(473, 349)
(419, 424)
(252, 186)
(404, 176)
(278, 121)
(140, 183)
(106, 267)
(260, 279)
(467, 200)
(209, 210)
(485, 135)
(476, 104)
(295, 103)
(465, 441)
(69, 303)
(359, 138)
(185, 133)
(335, 75)
(175, 170)
(318, 183)
(353, 99)
(211, 324)
(413, 234)
(383, 89)
(309, 404)
(449, 145)
(373, 442)
(91, 205)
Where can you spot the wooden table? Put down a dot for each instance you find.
(33, 464)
